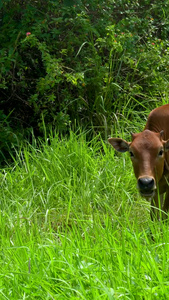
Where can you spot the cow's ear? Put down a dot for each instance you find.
(166, 145)
(119, 144)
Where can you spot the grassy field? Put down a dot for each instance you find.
(73, 226)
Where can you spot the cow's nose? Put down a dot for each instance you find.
(146, 184)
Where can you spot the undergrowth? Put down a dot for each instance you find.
(72, 226)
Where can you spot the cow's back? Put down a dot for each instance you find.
(157, 121)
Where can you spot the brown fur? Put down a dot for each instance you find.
(149, 152)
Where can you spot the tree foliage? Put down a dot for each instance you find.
(67, 62)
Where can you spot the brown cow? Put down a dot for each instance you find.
(150, 159)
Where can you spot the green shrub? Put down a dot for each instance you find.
(70, 63)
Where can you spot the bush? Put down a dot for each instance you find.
(71, 62)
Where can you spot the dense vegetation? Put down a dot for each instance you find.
(72, 226)
(68, 63)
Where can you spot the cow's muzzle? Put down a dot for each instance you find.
(146, 186)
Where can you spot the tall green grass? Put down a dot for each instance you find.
(72, 226)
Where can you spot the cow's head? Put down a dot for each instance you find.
(147, 152)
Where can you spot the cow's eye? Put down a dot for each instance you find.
(131, 154)
(161, 152)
